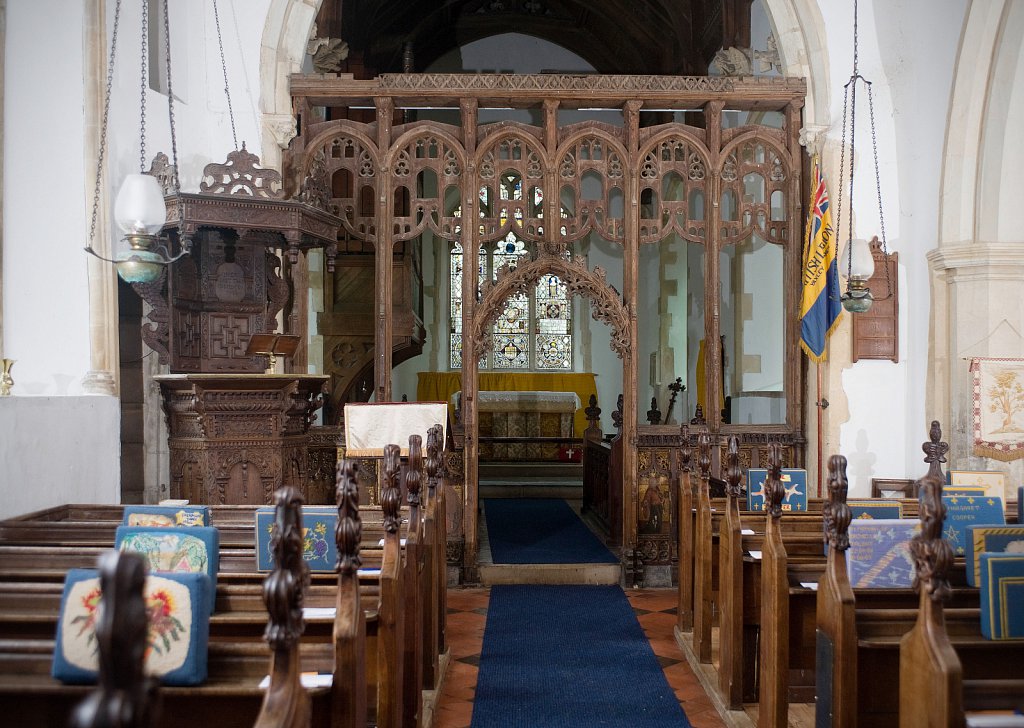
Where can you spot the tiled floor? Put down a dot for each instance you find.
(655, 610)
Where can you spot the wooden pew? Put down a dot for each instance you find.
(415, 585)
(349, 693)
(702, 571)
(859, 631)
(286, 703)
(774, 652)
(390, 622)
(124, 696)
(933, 690)
(743, 621)
(434, 536)
(836, 626)
(685, 524)
(235, 653)
(730, 586)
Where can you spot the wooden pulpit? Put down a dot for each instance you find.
(236, 438)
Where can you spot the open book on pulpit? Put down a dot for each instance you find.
(369, 426)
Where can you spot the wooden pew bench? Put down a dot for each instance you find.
(33, 581)
(860, 630)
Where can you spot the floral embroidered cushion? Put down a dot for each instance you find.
(176, 550)
(177, 607)
(319, 546)
(166, 516)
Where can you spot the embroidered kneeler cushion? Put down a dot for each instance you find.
(990, 539)
(794, 483)
(166, 516)
(193, 550)
(319, 547)
(178, 612)
(879, 554)
(969, 510)
(1002, 596)
(875, 508)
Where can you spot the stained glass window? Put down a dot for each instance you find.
(533, 332)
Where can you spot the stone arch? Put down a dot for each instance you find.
(579, 280)
(285, 35)
(978, 265)
(801, 39)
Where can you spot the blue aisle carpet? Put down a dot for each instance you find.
(541, 531)
(569, 657)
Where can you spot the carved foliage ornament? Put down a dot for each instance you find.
(606, 303)
(836, 515)
(241, 175)
(348, 532)
(283, 589)
(933, 556)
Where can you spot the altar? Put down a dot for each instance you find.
(523, 414)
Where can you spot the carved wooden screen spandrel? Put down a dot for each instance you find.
(595, 155)
(674, 183)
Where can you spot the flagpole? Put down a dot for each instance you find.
(821, 437)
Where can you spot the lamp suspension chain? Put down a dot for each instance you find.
(847, 177)
(878, 188)
(224, 68)
(101, 153)
(175, 179)
(143, 84)
(842, 173)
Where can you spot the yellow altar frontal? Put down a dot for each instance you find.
(523, 414)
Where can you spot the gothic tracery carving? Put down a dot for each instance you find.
(606, 303)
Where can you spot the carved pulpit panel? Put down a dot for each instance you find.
(235, 438)
(220, 298)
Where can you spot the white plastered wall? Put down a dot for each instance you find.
(60, 312)
(977, 271)
(877, 414)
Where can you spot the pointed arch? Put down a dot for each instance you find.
(608, 306)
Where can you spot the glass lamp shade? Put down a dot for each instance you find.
(862, 265)
(139, 207)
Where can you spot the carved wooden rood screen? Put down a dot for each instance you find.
(392, 182)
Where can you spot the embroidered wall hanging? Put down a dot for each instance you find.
(998, 408)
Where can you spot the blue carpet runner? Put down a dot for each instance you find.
(569, 657)
(541, 531)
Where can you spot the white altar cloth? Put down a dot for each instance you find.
(369, 426)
